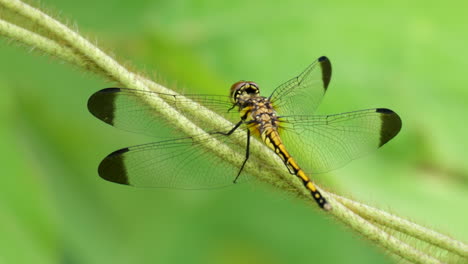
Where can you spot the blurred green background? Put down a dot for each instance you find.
(411, 58)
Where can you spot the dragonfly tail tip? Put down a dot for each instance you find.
(327, 207)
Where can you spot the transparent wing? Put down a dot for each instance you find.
(179, 163)
(302, 94)
(324, 143)
(127, 109)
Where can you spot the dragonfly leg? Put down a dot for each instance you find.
(247, 150)
(232, 130)
(247, 153)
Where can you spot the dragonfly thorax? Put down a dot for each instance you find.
(258, 113)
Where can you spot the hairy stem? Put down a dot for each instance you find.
(26, 37)
(405, 226)
(384, 239)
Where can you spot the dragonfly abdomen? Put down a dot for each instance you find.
(273, 141)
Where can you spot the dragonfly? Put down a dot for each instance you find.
(285, 122)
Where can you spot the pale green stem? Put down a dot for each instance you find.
(46, 45)
(405, 226)
(82, 53)
(376, 234)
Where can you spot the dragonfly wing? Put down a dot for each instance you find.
(324, 143)
(131, 110)
(302, 94)
(178, 163)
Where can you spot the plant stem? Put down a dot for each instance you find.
(405, 226)
(46, 45)
(376, 234)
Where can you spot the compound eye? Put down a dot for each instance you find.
(253, 84)
(237, 86)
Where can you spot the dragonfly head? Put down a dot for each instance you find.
(243, 88)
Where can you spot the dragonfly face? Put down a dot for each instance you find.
(242, 90)
(306, 144)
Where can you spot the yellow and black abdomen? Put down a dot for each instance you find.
(271, 138)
